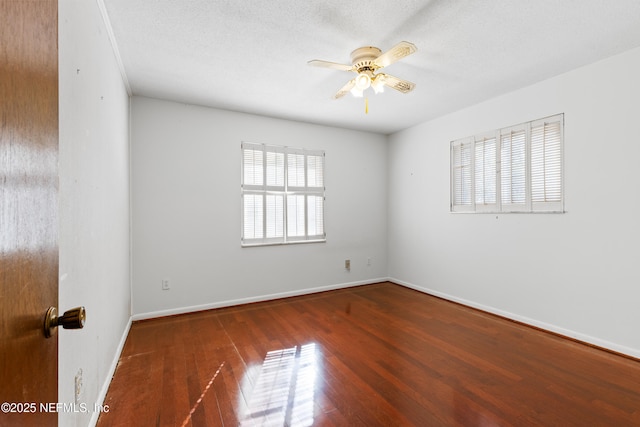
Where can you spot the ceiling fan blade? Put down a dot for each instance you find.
(345, 89)
(400, 85)
(394, 54)
(327, 64)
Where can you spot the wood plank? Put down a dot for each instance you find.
(376, 355)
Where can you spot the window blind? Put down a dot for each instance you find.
(514, 169)
(485, 173)
(546, 165)
(461, 175)
(282, 194)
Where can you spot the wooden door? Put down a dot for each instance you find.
(28, 210)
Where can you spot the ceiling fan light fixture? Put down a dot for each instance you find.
(363, 81)
(378, 83)
(357, 92)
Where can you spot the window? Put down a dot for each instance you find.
(282, 195)
(515, 169)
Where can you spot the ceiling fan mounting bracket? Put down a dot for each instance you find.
(365, 55)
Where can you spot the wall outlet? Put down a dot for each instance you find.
(78, 394)
(165, 284)
(368, 261)
(347, 264)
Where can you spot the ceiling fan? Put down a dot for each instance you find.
(366, 61)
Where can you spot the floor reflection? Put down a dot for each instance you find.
(284, 391)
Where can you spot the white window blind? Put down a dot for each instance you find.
(485, 173)
(461, 176)
(515, 169)
(546, 164)
(282, 195)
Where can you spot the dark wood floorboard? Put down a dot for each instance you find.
(375, 355)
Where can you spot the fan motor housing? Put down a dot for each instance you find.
(363, 57)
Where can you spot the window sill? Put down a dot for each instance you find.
(296, 242)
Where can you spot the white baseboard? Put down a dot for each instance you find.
(260, 298)
(112, 370)
(526, 320)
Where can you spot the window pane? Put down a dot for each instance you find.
(275, 169)
(512, 156)
(275, 216)
(462, 174)
(315, 215)
(295, 216)
(253, 216)
(295, 170)
(546, 163)
(485, 171)
(253, 167)
(315, 171)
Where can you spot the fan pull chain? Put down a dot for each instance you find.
(366, 105)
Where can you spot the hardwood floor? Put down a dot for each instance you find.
(376, 355)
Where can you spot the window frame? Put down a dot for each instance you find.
(506, 183)
(265, 187)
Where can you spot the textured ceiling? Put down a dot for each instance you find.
(251, 56)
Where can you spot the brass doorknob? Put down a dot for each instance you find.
(71, 319)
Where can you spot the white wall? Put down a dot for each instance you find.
(186, 210)
(94, 205)
(574, 273)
